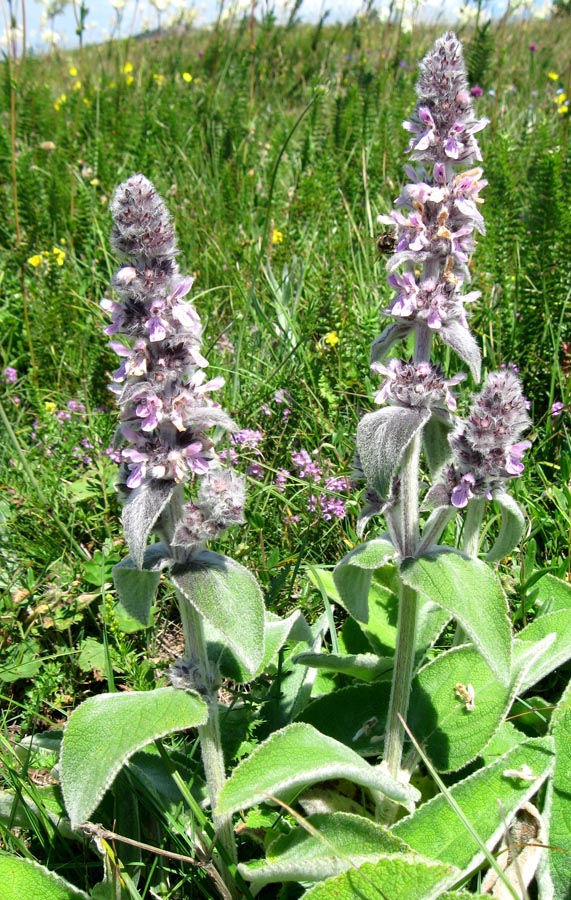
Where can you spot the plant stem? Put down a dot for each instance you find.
(473, 526)
(470, 544)
(209, 734)
(408, 613)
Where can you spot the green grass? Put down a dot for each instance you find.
(299, 133)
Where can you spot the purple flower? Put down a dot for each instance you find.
(305, 466)
(557, 409)
(476, 91)
(10, 375)
(414, 386)
(463, 491)
(514, 465)
(161, 385)
(281, 478)
(532, 47)
(75, 406)
(486, 447)
(248, 438)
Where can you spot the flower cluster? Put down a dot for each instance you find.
(161, 385)
(420, 385)
(218, 505)
(437, 213)
(486, 448)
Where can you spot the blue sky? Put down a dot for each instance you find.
(102, 17)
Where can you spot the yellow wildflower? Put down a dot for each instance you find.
(72, 71)
(59, 255)
(331, 338)
(36, 260)
(277, 237)
(186, 76)
(76, 86)
(127, 68)
(563, 109)
(553, 76)
(87, 101)
(50, 406)
(60, 102)
(129, 80)
(158, 78)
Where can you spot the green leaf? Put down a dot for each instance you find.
(460, 339)
(353, 575)
(98, 657)
(106, 730)
(398, 331)
(25, 879)
(292, 688)
(552, 595)
(297, 757)
(137, 587)
(380, 626)
(326, 845)
(435, 443)
(362, 725)
(365, 666)
(506, 738)
(276, 630)
(488, 798)
(228, 597)
(511, 530)
(402, 877)
(471, 592)
(554, 623)
(382, 439)
(450, 731)
(558, 799)
(140, 513)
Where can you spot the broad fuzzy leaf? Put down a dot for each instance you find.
(382, 439)
(452, 733)
(461, 340)
(105, 731)
(556, 875)
(511, 529)
(435, 443)
(228, 597)
(552, 594)
(328, 845)
(362, 725)
(398, 331)
(297, 757)
(488, 798)
(276, 630)
(292, 688)
(140, 513)
(353, 575)
(24, 879)
(398, 877)
(137, 587)
(557, 624)
(365, 666)
(471, 592)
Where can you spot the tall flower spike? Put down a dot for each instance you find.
(437, 213)
(161, 385)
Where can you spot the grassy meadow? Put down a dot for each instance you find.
(275, 148)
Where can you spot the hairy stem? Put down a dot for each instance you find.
(408, 613)
(209, 734)
(470, 545)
